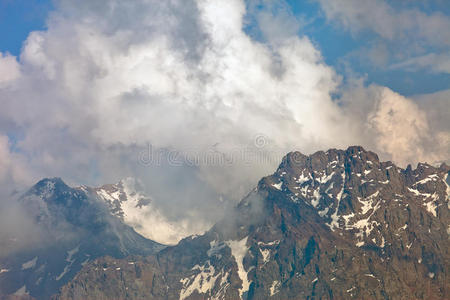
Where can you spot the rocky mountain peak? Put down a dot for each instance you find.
(337, 224)
(347, 188)
(74, 227)
(124, 198)
(354, 160)
(50, 189)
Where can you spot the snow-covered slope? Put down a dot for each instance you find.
(129, 202)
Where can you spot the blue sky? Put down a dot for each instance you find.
(340, 48)
(18, 18)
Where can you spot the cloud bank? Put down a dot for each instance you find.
(107, 79)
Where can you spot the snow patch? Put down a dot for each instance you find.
(417, 193)
(70, 261)
(203, 282)
(64, 272)
(29, 264)
(432, 177)
(364, 226)
(409, 246)
(447, 190)
(276, 242)
(48, 190)
(404, 227)
(323, 212)
(316, 198)
(70, 253)
(368, 202)
(334, 217)
(22, 291)
(277, 185)
(274, 288)
(302, 178)
(329, 188)
(265, 254)
(239, 250)
(325, 178)
(431, 207)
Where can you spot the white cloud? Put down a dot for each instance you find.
(402, 129)
(130, 91)
(435, 63)
(108, 77)
(9, 69)
(436, 107)
(398, 128)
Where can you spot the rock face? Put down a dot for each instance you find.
(333, 225)
(75, 228)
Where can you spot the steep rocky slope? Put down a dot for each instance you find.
(333, 225)
(75, 227)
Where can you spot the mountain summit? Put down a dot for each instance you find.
(332, 225)
(74, 227)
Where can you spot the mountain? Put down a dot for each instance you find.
(332, 225)
(75, 227)
(128, 201)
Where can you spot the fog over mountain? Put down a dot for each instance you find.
(181, 96)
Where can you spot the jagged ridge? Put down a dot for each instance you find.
(336, 224)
